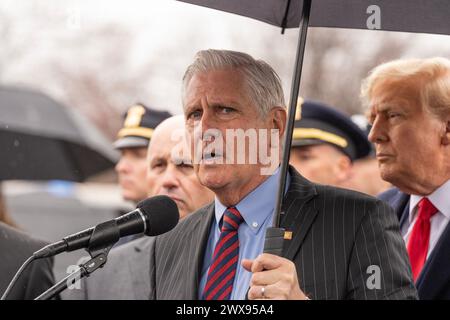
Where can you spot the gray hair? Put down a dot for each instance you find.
(263, 84)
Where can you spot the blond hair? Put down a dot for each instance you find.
(430, 76)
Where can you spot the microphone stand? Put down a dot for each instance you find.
(103, 238)
(84, 270)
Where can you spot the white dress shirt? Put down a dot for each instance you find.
(440, 198)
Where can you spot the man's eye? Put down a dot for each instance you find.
(157, 165)
(306, 157)
(195, 115)
(225, 110)
(392, 115)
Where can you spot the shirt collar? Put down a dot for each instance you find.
(440, 198)
(258, 205)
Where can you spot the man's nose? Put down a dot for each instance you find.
(169, 180)
(378, 133)
(206, 122)
(122, 165)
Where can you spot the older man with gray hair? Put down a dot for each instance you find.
(409, 103)
(339, 244)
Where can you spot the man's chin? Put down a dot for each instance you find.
(389, 174)
(212, 180)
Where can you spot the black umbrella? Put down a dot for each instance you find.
(427, 16)
(41, 139)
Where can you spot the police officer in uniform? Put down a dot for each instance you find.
(325, 143)
(132, 142)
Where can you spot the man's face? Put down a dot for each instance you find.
(173, 175)
(407, 138)
(217, 100)
(321, 163)
(131, 170)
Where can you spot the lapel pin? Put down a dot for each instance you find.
(288, 235)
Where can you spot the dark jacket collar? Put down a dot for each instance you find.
(298, 213)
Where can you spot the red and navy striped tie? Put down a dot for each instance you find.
(222, 271)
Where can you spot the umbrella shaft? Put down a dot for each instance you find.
(304, 23)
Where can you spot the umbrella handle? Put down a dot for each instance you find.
(273, 242)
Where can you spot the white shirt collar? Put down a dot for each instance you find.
(440, 198)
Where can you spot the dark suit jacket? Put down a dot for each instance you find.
(15, 248)
(337, 235)
(434, 280)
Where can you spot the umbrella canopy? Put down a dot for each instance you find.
(427, 16)
(41, 139)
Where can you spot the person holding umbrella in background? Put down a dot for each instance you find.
(41, 139)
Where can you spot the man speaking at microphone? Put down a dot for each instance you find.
(338, 244)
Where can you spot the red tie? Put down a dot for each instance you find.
(420, 236)
(222, 271)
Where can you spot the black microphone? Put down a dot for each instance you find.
(152, 216)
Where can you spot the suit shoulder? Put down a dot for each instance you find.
(388, 195)
(135, 246)
(193, 218)
(21, 241)
(341, 197)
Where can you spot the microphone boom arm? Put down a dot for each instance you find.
(84, 271)
(103, 238)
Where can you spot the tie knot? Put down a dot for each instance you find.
(231, 219)
(426, 209)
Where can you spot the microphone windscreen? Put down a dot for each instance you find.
(161, 213)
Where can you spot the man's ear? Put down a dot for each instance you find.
(446, 135)
(279, 118)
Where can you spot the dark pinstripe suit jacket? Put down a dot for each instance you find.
(337, 236)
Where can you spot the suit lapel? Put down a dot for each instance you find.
(299, 212)
(435, 275)
(201, 227)
(400, 204)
